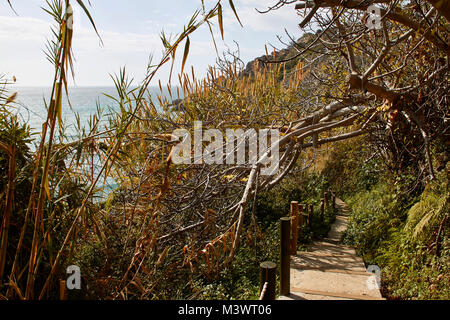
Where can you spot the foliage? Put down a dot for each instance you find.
(58, 219)
(415, 256)
(241, 280)
(166, 231)
(412, 271)
(409, 242)
(304, 187)
(352, 167)
(375, 214)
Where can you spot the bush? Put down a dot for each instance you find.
(241, 281)
(415, 258)
(411, 245)
(374, 215)
(352, 167)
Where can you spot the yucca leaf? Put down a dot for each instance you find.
(80, 2)
(59, 104)
(12, 8)
(186, 53)
(12, 98)
(220, 17)
(46, 186)
(6, 148)
(50, 247)
(212, 36)
(235, 12)
(79, 152)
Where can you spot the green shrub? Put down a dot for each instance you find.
(241, 281)
(374, 215)
(352, 167)
(411, 245)
(416, 257)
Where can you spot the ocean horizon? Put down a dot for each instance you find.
(30, 105)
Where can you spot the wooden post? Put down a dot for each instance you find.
(326, 198)
(294, 227)
(268, 273)
(322, 209)
(63, 294)
(285, 257)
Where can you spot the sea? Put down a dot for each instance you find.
(30, 107)
(31, 102)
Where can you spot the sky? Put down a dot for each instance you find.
(130, 30)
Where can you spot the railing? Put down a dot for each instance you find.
(290, 228)
(268, 278)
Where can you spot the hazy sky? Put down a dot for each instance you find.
(130, 30)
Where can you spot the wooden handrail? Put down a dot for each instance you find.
(63, 294)
(267, 280)
(264, 291)
(285, 256)
(290, 228)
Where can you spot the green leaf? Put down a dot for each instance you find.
(12, 8)
(80, 2)
(46, 186)
(220, 17)
(235, 12)
(212, 36)
(58, 105)
(79, 152)
(186, 53)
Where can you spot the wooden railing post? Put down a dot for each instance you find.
(267, 280)
(63, 294)
(326, 198)
(285, 257)
(294, 227)
(334, 202)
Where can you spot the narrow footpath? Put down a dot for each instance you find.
(328, 270)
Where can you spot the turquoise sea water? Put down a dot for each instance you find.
(31, 106)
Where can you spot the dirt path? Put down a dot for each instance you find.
(328, 270)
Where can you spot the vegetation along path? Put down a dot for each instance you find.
(328, 270)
